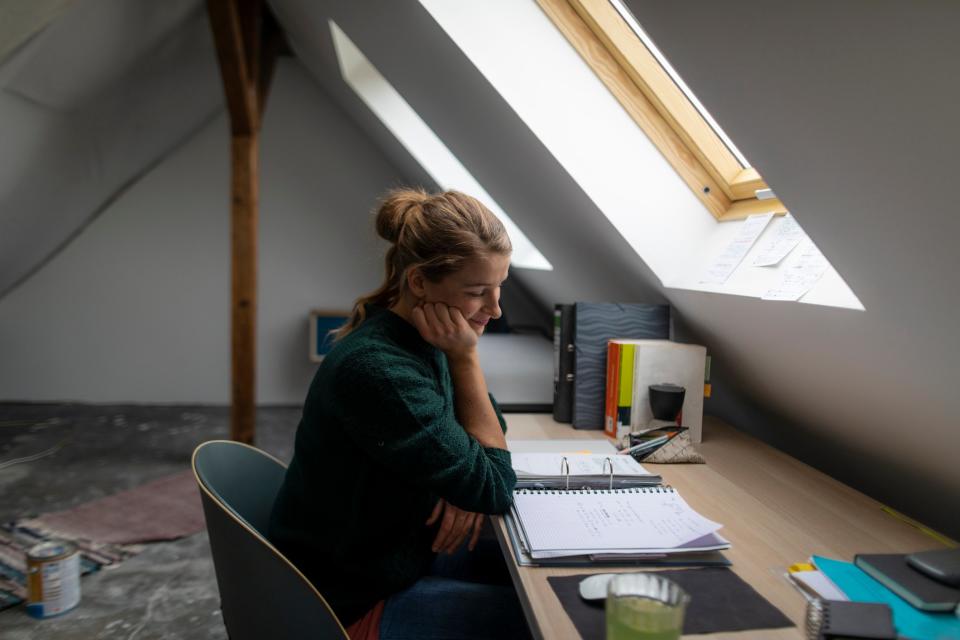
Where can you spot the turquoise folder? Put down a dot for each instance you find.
(910, 622)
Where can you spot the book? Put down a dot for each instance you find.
(610, 524)
(563, 362)
(625, 384)
(611, 422)
(921, 591)
(595, 323)
(849, 620)
(550, 470)
(909, 621)
(664, 361)
(619, 388)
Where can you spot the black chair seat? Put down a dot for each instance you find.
(262, 594)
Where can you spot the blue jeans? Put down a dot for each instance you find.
(467, 596)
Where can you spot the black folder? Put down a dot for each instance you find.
(921, 591)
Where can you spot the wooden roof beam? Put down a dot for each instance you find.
(248, 41)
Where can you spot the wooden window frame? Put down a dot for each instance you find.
(649, 95)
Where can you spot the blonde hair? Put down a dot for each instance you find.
(436, 233)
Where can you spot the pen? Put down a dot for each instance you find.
(644, 445)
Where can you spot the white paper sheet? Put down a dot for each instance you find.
(818, 583)
(586, 445)
(597, 521)
(725, 264)
(787, 236)
(583, 464)
(799, 277)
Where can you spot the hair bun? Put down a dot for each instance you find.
(395, 210)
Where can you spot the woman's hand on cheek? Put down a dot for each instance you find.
(445, 328)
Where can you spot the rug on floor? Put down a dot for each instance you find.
(165, 509)
(106, 531)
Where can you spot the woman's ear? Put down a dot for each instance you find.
(416, 282)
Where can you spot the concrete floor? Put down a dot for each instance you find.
(169, 590)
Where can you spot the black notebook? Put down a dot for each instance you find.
(921, 591)
(842, 620)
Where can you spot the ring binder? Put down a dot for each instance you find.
(575, 470)
(607, 462)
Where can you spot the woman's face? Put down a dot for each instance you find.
(474, 289)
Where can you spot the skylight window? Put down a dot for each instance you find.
(677, 80)
(421, 142)
(571, 91)
(614, 45)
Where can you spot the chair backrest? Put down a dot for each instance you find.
(262, 594)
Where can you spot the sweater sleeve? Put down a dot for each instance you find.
(397, 413)
(496, 408)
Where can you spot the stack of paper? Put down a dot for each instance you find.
(580, 470)
(618, 525)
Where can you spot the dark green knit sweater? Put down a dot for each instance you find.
(378, 444)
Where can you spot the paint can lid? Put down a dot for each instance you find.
(51, 549)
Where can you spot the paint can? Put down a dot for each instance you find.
(53, 578)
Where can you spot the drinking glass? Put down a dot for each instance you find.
(644, 606)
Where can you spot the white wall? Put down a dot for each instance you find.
(136, 309)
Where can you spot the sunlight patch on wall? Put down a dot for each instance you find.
(421, 142)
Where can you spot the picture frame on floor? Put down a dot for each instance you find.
(322, 323)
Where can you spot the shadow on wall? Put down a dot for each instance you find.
(923, 498)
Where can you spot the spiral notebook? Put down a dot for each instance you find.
(607, 524)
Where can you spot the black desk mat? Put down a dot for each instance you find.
(719, 601)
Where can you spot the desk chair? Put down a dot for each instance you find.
(262, 595)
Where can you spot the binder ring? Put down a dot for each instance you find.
(565, 470)
(608, 461)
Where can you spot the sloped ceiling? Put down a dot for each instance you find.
(87, 106)
(848, 109)
(21, 21)
(864, 396)
(405, 44)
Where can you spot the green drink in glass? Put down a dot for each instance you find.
(644, 606)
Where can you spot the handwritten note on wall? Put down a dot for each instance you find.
(787, 236)
(726, 263)
(799, 277)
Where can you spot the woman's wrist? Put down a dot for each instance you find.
(465, 358)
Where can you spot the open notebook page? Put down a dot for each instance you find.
(582, 521)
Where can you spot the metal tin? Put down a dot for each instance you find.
(53, 578)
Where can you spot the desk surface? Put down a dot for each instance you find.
(775, 510)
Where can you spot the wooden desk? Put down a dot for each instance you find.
(775, 510)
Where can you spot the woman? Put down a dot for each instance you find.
(400, 449)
